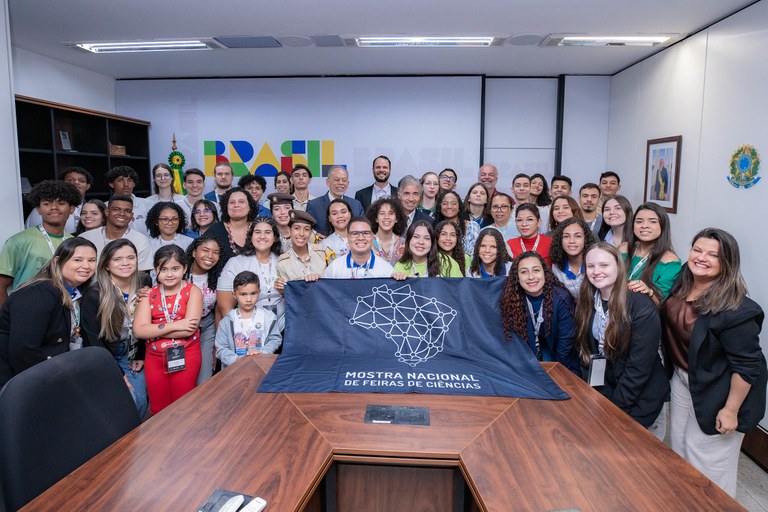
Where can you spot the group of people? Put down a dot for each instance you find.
(176, 286)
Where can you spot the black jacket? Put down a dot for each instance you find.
(365, 195)
(91, 325)
(720, 345)
(34, 326)
(636, 380)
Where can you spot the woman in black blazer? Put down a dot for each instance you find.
(711, 333)
(41, 319)
(618, 334)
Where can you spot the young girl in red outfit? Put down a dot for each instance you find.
(169, 319)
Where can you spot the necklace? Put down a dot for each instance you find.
(235, 248)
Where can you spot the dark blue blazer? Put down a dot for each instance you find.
(318, 206)
(365, 195)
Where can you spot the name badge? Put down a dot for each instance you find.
(176, 361)
(597, 364)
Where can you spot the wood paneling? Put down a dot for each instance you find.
(390, 488)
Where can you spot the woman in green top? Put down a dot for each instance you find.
(652, 265)
(421, 257)
(447, 234)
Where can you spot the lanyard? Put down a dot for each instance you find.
(637, 268)
(389, 254)
(47, 238)
(535, 245)
(170, 317)
(539, 319)
(352, 265)
(602, 322)
(269, 276)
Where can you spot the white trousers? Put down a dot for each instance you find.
(717, 456)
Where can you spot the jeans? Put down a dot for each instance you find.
(136, 379)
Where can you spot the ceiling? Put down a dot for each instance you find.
(42, 26)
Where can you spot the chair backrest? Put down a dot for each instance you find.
(57, 415)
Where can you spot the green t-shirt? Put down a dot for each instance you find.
(448, 268)
(664, 274)
(25, 253)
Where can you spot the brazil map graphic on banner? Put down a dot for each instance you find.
(440, 336)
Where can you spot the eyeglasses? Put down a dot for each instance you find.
(447, 178)
(168, 220)
(360, 234)
(204, 210)
(500, 207)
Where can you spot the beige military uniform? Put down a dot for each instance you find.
(291, 268)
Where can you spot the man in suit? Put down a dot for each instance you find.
(338, 182)
(409, 194)
(222, 175)
(381, 187)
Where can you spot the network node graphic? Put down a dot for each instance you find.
(416, 324)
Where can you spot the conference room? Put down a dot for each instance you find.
(267, 87)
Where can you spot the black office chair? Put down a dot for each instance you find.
(57, 415)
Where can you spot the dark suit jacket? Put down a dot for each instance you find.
(318, 206)
(422, 215)
(636, 380)
(720, 345)
(365, 195)
(34, 326)
(212, 196)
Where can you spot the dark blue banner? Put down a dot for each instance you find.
(440, 336)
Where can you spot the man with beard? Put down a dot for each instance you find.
(381, 188)
(589, 197)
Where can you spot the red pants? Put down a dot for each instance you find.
(165, 388)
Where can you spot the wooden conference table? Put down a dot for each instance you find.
(314, 452)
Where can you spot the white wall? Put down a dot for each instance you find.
(585, 128)
(10, 192)
(711, 90)
(42, 77)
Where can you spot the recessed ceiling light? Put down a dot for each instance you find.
(145, 46)
(426, 41)
(588, 40)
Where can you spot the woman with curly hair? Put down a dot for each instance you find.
(477, 205)
(449, 207)
(238, 211)
(166, 224)
(204, 214)
(490, 257)
(570, 243)
(618, 333)
(204, 255)
(447, 233)
(538, 310)
(616, 228)
(388, 222)
(562, 207)
(336, 243)
(421, 257)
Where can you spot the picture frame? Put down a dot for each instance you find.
(66, 142)
(662, 172)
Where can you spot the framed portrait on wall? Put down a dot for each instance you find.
(662, 172)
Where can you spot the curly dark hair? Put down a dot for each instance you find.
(153, 216)
(208, 204)
(557, 254)
(502, 256)
(401, 220)
(253, 208)
(514, 313)
(249, 249)
(54, 190)
(433, 256)
(120, 171)
(458, 250)
(463, 216)
(213, 273)
(247, 179)
(543, 199)
(77, 170)
(329, 226)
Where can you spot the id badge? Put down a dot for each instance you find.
(597, 365)
(176, 361)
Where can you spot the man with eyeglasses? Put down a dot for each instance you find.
(119, 216)
(338, 182)
(447, 180)
(488, 175)
(381, 168)
(82, 181)
(122, 180)
(360, 262)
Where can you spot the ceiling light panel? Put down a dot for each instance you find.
(424, 41)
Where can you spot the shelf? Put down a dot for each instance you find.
(80, 153)
(39, 151)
